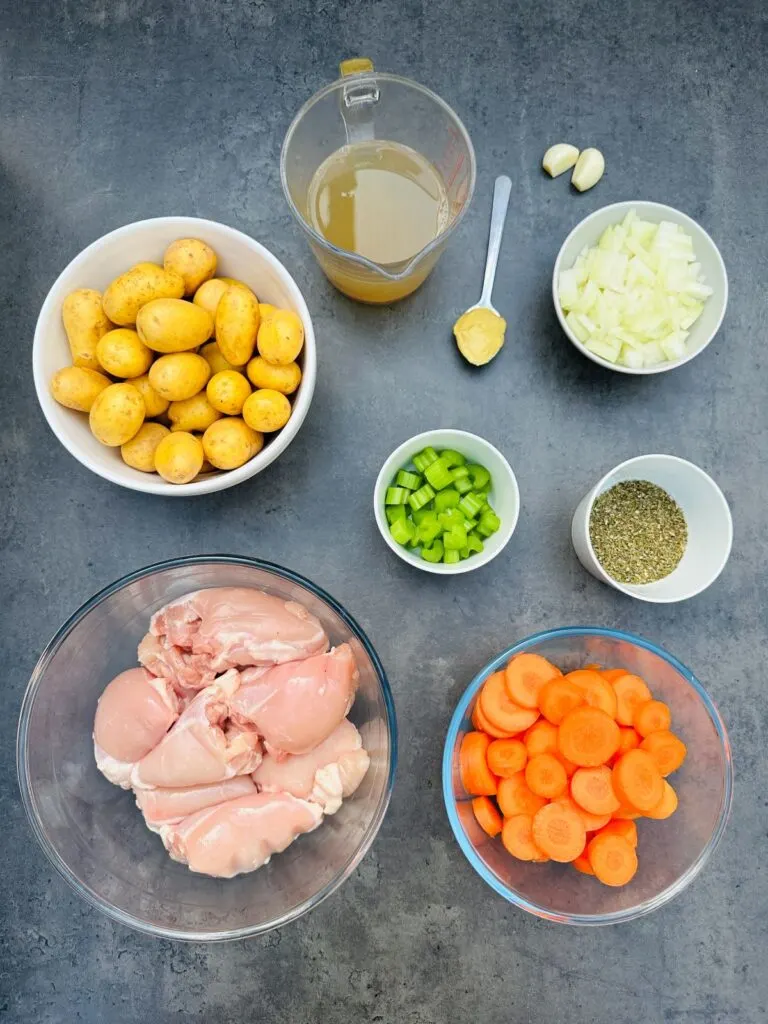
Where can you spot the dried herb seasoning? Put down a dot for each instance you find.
(638, 532)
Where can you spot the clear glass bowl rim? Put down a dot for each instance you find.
(28, 799)
(631, 913)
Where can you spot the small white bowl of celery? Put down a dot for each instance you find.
(639, 287)
(446, 501)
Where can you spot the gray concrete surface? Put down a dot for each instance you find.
(114, 111)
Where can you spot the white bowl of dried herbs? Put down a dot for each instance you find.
(655, 527)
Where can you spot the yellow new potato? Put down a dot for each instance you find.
(139, 452)
(138, 286)
(284, 379)
(173, 325)
(179, 458)
(208, 295)
(266, 411)
(77, 387)
(212, 353)
(230, 442)
(85, 322)
(227, 392)
(123, 354)
(266, 309)
(117, 414)
(193, 260)
(237, 324)
(281, 337)
(179, 376)
(154, 403)
(194, 413)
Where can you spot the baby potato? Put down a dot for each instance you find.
(227, 392)
(77, 387)
(85, 322)
(117, 414)
(173, 325)
(237, 324)
(266, 309)
(179, 376)
(139, 452)
(123, 354)
(284, 379)
(266, 410)
(193, 260)
(230, 442)
(179, 457)
(208, 295)
(195, 413)
(281, 337)
(136, 287)
(154, 403)
(212, 353)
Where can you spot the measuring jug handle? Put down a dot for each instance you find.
(358, 99)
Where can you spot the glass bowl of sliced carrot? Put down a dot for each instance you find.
(587, 775)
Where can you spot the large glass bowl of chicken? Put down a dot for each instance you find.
(207, 748)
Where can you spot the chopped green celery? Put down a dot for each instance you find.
(428, 529)
(420, 498)
(424, 459)
(455, 539)
(450, 518)
(459, 472)
(480, 476)
(469, 524)
(451, 557)
(403, 531)
(434, 553)
(395, 512)
(410, 480)
(438, 474)
(420, 514)
(474, 543)
(452, 458)
(449, 498)
(471, 504)
(489, 523)
(464, 484)
(396, 496)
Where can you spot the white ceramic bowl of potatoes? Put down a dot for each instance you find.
(151, 388)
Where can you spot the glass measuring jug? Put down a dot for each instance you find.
(404, 145)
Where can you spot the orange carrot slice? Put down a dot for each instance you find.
(500, 710)
(626, 829)
(476, 777)
(482, 724)
(630, 692)
(524, 677)
(591, 822)
(507, 757)
(592, 789)
(515, 797)
(629, 738)
(546, 776)
(666, 749)
(638, 781)
(613, 859)
(612, 674)
(557, 698)
(581, 863)
(588, 737)
(559, 832)
(487, 814)
(597, 692)
(653, 716)
(541, 738)
(666, 807)
(517, 837)
(626, 813)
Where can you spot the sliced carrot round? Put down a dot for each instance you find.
(476, 777)
(559, 832)
(612, 674)
(557, 698)
(597, 692)
(487, 814)
(653, 716)
(666, 749)
(666, 807)
(524, 677)
(546, 776)
(638, 781)
(541, 738)
(507, 757)
(629, 738)
(517, 837)
(626, 829)
(482, 724)
(515, 797)
(613, 859)
(591, 822)
(588, 737)
(500, 710)
(630, 691)
(625, 812)
(581, 863)
(592, 789)
(569, 766)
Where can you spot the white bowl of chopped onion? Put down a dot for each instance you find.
(639, 287)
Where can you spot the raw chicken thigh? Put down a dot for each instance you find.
(296, 706)
(326, 775)
(236, 626)
(186, 672)
(170, 806)
(240, 835)
(133, 714)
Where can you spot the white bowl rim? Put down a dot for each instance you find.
(719, 497)
(439, 568)
(625, 205)
(146, 482)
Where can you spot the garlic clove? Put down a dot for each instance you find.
(559, 158)
(588, 170)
